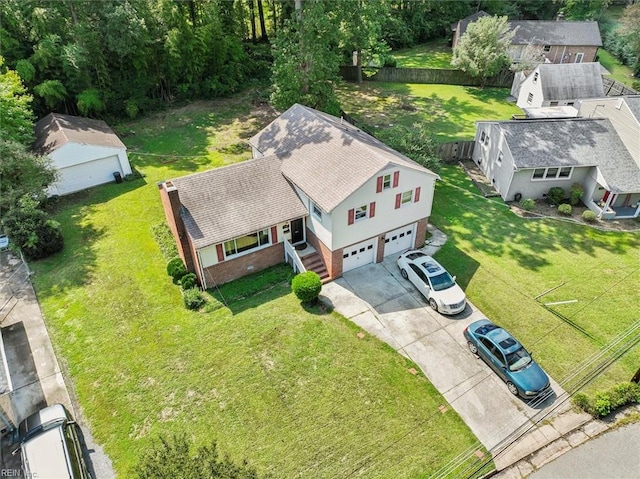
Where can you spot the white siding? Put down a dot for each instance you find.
(387, 217)
(84, 166)
(321, 228)
(522, 183)
(530, 87)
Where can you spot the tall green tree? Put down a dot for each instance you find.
(306, 58)
(361, 29)
(16, 116)
(630, 31)
(584, 9)
(483, 49)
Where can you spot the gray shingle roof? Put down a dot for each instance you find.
(324, 156)
(236, 200)
(633, 101)
(573, 142)
(567, 81)
(55, 129)
(538, 32)
(462, 24)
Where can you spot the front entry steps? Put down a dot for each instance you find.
(313, 262)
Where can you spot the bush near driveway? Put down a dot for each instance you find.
(307, 286)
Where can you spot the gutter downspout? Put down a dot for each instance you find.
(204, 278)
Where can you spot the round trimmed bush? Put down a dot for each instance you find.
(176, 269)
(192, 298)
(555, 195)
(306, 286)
(188, 281)
(564, 209)
(589, 216)
(527, 204)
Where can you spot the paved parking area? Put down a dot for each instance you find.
(380, 301)
(36, 378)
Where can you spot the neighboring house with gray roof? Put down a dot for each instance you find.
(84, 151)
(315, 180)
(559, 41)
(525, 158)
(551, 84)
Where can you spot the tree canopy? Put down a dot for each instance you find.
(483, 49)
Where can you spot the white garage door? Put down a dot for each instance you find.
(399, 240)
(358, 255)
(85, 175)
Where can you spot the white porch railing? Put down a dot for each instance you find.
(290, 253)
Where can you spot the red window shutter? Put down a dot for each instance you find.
(379, 184)
(351, 217)
(274, 234)
(398, 200)
(416, 197)
(396, 178)
(220, 252)
(372, 209)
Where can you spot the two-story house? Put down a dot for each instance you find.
(314, 179)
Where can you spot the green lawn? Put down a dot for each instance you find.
(291, 389)
(448, 110)
(504, 261)
(436, 54)
(617, 70)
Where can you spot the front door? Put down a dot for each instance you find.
(297, 231)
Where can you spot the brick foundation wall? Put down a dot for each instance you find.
(332, 259)
(249, 263)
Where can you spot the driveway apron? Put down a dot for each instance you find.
(387, 306)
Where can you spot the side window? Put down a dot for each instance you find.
(419, 272)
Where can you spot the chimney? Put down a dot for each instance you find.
(172, 207)
(560, 16)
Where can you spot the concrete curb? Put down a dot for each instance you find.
(572, 438)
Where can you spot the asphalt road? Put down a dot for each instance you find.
(613, 455)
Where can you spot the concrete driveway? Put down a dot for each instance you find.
(380, 301)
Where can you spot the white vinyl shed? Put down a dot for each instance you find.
(86, 152)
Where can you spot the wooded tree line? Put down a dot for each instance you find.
(122, 57)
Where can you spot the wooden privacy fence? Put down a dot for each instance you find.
(423, 75)
(615, 88)
(456, 151)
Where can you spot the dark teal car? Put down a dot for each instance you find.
(507, 357)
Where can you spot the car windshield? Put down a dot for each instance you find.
(442, 281)
(518, 359)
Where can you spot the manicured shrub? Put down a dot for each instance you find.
(589, 216)
(527, 204)
(176, 269)
(192, 298)
(306, 286)
(555, 195)
(564, 209)
(188, 281)
(575, 193)
(604, 402)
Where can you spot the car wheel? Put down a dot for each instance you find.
(472, 347)
(404, 274)
(434, 304)
(512, 388)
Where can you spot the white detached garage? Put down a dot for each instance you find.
(86, 152)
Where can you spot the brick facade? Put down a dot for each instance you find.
(249, 263)
(421, 232)
(562, 54)
(332, 259)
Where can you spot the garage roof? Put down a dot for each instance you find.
(55, 130)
